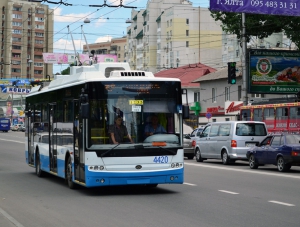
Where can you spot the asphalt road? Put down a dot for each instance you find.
(213, 195)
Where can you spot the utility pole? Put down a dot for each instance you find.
(244, 70)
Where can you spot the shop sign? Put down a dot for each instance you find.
(233, 107)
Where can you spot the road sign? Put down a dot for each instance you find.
(276, 7)
(208, 115)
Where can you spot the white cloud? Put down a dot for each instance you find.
(72, 17)
(99, 22)
(66, 46)
(103, 39)
(117, 2)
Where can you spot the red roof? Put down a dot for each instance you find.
(187, 73)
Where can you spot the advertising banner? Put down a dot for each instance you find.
(277, 7)
(59, 58)
(274, 71)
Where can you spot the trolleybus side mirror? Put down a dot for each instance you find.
(84, 106)
(185, 112)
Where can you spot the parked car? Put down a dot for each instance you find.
(229, 140)
(282, 150)
(22, 128)
(16, 127)
(188, 140)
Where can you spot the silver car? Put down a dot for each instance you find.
(228, 140)
(188, 140)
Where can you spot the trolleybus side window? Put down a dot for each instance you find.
(257, 115)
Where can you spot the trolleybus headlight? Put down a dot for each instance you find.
(95, 167)
(91, 167)
(177, 165)
(101, 167)
(172, 165)
(102, 181)
(171, 178)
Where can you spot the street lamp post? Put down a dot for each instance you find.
(30, 61)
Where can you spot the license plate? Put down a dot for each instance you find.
(250, 144)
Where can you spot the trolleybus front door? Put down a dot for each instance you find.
(78, 147)
(53, 137)
(29, 132)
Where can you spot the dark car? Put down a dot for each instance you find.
(282, 150)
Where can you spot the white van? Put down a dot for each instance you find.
(228, 140)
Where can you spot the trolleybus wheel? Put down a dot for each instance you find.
(39, 172)
(69, 172)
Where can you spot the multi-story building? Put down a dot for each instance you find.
(170, 34)
(27, 32)
(115, 46)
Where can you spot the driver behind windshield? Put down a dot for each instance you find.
(154, 127)
(118, 132)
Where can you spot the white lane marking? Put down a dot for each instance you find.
(12, 141)
(190, 184)
(11, 219)
(281, 203)
(233, 193)
(245, 171)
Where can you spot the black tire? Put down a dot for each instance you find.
(198, 156)
(69, 174)
(225, 158)
(252, 162)
(190, 156)
(151, 185)
(282, 166)
(38, 171)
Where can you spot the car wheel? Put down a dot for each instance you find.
(282, 166)
(252, 162)
(198, 156)
(69, 176)
(39, 172)
(225, 158)
(190, 156)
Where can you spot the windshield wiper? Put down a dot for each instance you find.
(170, 151)
(106, 152)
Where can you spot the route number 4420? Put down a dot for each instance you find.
(160, 159)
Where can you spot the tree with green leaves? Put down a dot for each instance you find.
(259, 25)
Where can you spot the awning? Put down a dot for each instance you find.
(159, 18)
(140, 35)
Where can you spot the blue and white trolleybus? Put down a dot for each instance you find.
(68, 120)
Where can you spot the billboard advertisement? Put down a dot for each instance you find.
(60, 58)
(279, 7)
(274, 71)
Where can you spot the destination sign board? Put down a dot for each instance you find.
(276, 7)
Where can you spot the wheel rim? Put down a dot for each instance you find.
(280, 164)
(251, 161)
(224, 156)
(198, 155)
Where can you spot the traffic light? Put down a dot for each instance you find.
(231, 72)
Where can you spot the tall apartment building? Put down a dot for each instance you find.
(26, 32)
(115, 46)
(170, 34)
